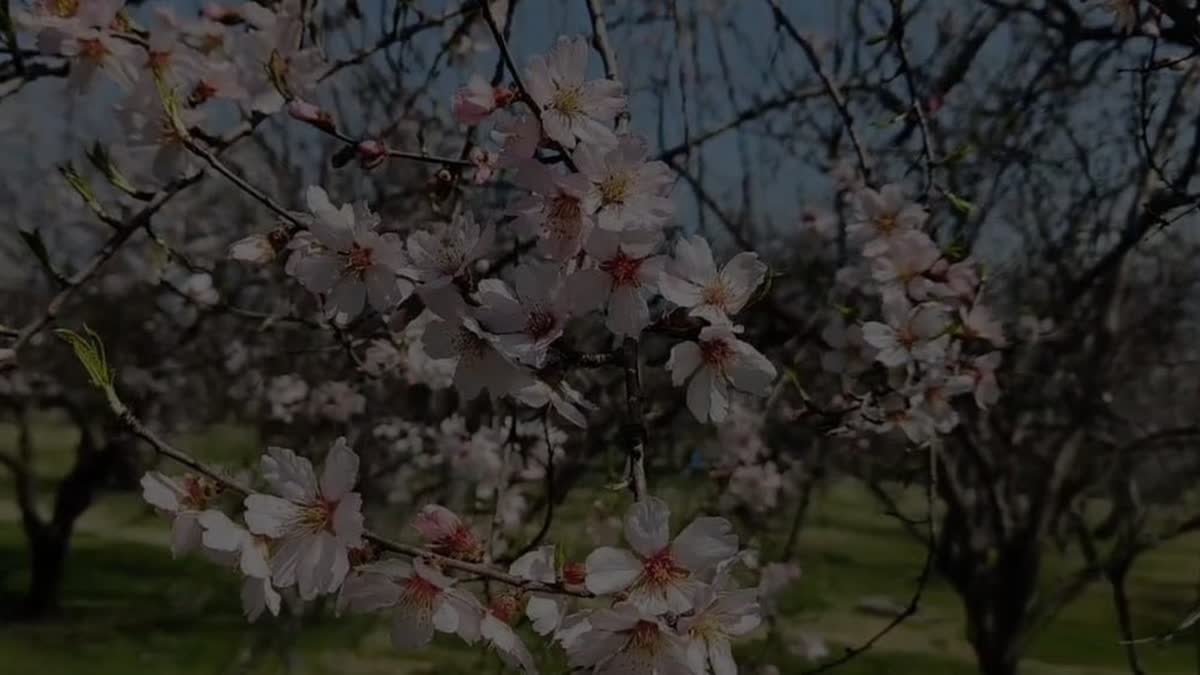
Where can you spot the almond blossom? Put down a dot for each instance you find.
(573, 109)
(275, 65)
(519, 137)
(476, 102)
(91, 52)
(932, 395)
(185, 500)
(881, 217)
(903, 266)
(526, 322)
(353, 264)
(716, 362)
(627, 640)
(721, 614)
(437, 259)
(150, 131)
(626, 272)
(479, 362)
(67, 16)
(983, 373)
(421, 598)
(447, 534)
(564, 398)
(691, 280)
(546, 611)
(626, 190)
(250, 554)
(911, 333)
(657, 575)
(496, 629)
(554, 212)
(317, 521)
(849, 353)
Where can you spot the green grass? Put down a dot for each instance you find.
(129, 607)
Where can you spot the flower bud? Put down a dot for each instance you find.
(371, 154)
(307, 112)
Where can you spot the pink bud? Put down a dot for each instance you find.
(371, 154)
(307, 112)
(221, 14)
(485, 165)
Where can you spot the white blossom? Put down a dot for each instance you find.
(421, 597)
(480, 364)
(529, 317)
(353, 263)
(627, 640)
(184, 500)
(625, 191)
(572, 108)
(626, 273)
(318, 522)
(691, 280)
(657, 574)
(882, 216)
(438, 258)
(910, 334)
(718, 361)
(554, 212)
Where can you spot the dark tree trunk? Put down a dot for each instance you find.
(47, 557)
(50, 542)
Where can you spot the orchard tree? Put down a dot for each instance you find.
(432, 253)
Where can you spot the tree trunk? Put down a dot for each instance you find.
(47, 557)
(996, 652)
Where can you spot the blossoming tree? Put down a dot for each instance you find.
(542, 312)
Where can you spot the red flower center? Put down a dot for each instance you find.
(623, 269)
(540, 324)
(359, 259)
(461, 544)
(661, 569)
(716, 353)
(506, 607)
(574, 573)
(198, 491)
(92, 49)
(420, 592)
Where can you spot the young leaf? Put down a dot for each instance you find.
(89, 349)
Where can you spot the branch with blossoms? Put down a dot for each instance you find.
(594, 284)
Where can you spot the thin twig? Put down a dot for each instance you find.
(918, 109)
(835, 94)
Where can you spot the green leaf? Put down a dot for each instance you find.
(170, 104)
(89, 349)
(82, 188)
(958, 154)
(100, 158)
(38, 247)
(961, 205)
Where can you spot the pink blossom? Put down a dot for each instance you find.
(657, 575)
(316, 521)
(573, 109)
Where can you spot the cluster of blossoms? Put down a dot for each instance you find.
(248, 55)
(675, 606)
(596, 224)
(937, 340)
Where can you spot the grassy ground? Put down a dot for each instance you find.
(130, 607)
